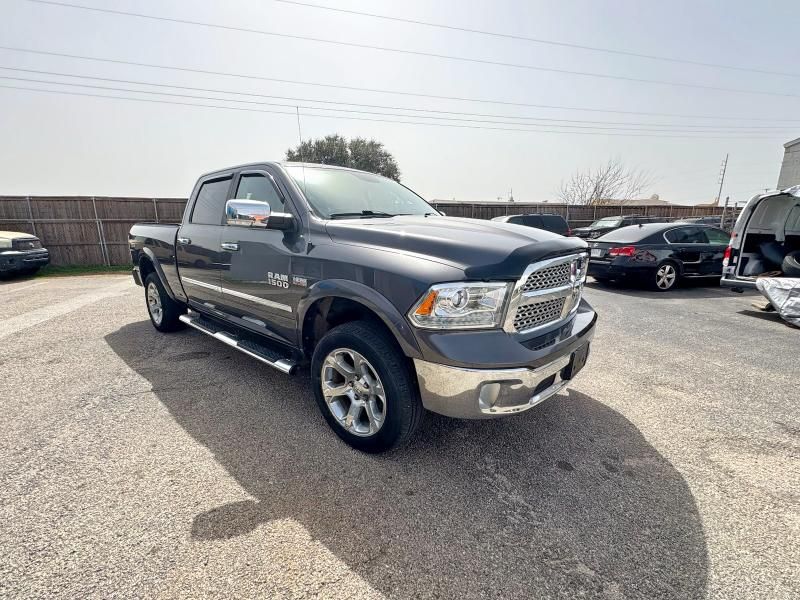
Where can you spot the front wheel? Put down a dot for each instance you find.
(666, 277)
(365, 387)
(164, 311)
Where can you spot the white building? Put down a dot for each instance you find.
(790, 169)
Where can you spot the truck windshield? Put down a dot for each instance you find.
(337, 193)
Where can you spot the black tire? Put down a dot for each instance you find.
(170, 309)
(791, 264)
(665, 277)
(402, 406)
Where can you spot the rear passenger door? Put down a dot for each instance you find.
(197, 248)
(689, 245)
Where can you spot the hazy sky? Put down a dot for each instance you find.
(62, 144)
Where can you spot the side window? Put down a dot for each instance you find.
(532, 221)
(686, 235)
(210, 204)
(717, 236)
(255, 186)
(516, 220)
(556, 224)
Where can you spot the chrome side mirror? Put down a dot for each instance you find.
(247, 213)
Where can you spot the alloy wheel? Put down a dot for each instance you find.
(353, 392)
(154, 304)
(666, 276)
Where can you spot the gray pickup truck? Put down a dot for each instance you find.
(395, 307)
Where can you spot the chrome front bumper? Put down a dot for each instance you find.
(487, 393)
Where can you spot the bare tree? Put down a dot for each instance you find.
(612, 181)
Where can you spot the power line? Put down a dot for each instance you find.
(414, 52)
(381, 91)
(430, 124)
(195, 97)
(550, 122)
(540, 40)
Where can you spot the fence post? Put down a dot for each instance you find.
(30, 215)
(472, 214)
(155, 209)
(594, 218)
(100, 236)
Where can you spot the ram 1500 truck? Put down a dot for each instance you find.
(395, 307)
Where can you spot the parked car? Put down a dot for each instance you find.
(607, 224)
(659, 254)
(766, 238)
(393, 307)
(21, 253)
(555, 223)
(713, 221)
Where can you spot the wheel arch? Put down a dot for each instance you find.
(148, 263)
(333, 302)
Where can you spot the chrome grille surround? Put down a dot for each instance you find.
(548, 292)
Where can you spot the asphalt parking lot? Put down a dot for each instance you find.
(134, 463)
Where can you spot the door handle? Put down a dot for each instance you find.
(184, 241)
(232, 246)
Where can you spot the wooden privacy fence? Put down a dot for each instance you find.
(578, 216)
(85, 230)
(89, 230)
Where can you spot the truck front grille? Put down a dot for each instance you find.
(550, 277)
(547, 293)
(538, 313)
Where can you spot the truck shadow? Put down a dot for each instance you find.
(568, 499)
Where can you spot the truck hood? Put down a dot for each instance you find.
(482, 249)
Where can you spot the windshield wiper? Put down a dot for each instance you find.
(361, 215)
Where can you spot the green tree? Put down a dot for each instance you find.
(357, 153)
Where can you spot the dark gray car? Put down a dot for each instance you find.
(394, 307)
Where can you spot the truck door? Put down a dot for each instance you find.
(197, 247)
(257, 282)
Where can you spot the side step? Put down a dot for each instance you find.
(261, 353)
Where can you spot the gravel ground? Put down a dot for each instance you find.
(134, 463)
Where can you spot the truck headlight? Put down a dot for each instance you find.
(461, 306)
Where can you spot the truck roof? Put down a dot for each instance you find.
(279, 163)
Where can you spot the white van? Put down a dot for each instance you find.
(768, 225)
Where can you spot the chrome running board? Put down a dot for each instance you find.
(261, 353)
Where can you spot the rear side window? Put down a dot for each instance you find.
(532, 221)
(210, 204)
(254, 186)
(555, 223)
(717, 236)
(686, 235)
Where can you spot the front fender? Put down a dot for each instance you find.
(371, 299)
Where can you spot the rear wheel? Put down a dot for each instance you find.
(666, 277)
(365, 388)
(164, 311)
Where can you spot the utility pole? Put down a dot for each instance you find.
(724, 210)
(723, 169)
